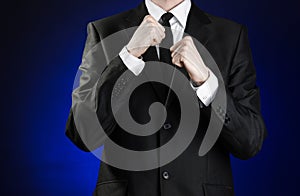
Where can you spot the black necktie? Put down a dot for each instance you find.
(164, 49)
(167, 42)
(165, 53)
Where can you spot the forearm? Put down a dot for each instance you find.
(90, 105)
(244, 131)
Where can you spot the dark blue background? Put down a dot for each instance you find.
(41, 48)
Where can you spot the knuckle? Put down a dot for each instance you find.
(181, 59)
(148, 19)
(188, 38)
(150, 25)
(173, 61)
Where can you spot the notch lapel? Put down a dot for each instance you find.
(196, 25)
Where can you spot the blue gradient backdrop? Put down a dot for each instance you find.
(41, 49)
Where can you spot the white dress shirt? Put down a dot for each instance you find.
(207, 91)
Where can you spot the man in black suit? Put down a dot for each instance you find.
(243, 131)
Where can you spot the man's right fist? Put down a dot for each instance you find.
(149, 33)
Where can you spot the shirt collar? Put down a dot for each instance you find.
(180, 12)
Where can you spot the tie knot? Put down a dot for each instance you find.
(165, 18)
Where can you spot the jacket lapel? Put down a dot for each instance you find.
(196, 25)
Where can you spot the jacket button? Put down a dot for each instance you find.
(167, 126)
(227, 119)
(165, 175)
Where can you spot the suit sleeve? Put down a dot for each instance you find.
(91, 100)
(244, 130)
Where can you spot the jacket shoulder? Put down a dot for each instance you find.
(224, 25)
(109, 25)
(220, 21)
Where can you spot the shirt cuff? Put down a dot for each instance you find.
(134, 64)
(207, 91)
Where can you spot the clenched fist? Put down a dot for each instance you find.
(185, 54)
(149, 33)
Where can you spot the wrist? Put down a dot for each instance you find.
(197, 83)
(134, 52)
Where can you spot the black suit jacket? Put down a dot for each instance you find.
(242, 134)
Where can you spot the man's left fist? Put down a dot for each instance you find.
(185, 54)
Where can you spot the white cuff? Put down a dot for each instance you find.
(134, 64)
(207, 91)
